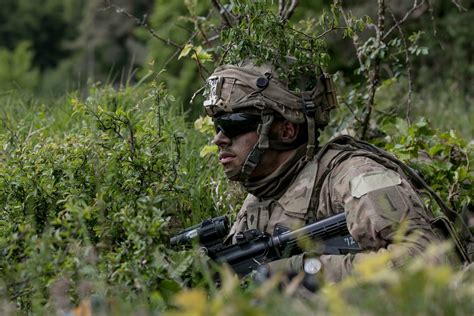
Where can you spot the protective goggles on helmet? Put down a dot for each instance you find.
(234, 124)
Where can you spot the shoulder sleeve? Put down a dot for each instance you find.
(384, 213)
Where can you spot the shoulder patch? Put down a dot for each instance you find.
(374, 180)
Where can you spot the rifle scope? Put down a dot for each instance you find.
(208, 232)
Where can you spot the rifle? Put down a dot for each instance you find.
(255, 248)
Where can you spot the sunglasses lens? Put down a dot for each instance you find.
(235, 124)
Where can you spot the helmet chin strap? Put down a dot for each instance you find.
(255, 155)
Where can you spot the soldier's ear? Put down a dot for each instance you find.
(288, 131)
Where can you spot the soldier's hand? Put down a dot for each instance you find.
(296, 271)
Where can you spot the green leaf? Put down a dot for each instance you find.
(205, 125)
(207, 150)
(201, 55)
(402, 126)
(461, 174)
(185, 51)
(436, 149)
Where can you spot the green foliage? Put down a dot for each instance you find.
(178, 22)
(449, 63)
(45, 24)
(373, 289)
(93, 207)
(262, 36)
(16, 69)
(444, 159)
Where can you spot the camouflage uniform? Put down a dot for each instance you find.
(376, 196)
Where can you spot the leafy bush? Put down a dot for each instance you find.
(373, 290)
(442, 158)
(97, 203)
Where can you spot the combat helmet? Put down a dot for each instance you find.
(255, 88)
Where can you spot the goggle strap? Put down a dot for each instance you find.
(254, 157)
(263, 130)
(309, 111)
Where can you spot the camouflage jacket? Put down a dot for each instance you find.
(375, 194)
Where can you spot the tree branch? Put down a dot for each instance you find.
(407, 61)
(141, 22)
(223, 13)
(415, 6)
(375, 72)
(281, 8)
(291, 9)
(285, 11)
(355, 37)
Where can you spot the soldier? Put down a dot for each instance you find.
(268, 140)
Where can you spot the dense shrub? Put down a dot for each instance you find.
(96, 203)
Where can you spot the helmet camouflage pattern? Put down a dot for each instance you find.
(257, 89)
(240, 88)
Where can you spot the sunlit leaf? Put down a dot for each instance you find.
(186, 50)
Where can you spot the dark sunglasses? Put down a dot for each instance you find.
(234, 124)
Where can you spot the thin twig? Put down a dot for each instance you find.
(330, 30)
(224, 54)
(355, 37)
(223, 13)
(320, 35)
(352, 111)
(374, 73)
(170, 59)
(200, 67)
(415, 6)
(433, 23)
(392, 112)
(281, 8)
(291, 9)
(141, 22)
(32, 133)
(407, 61)
(196, 93)
(203, 34)
(131, 139)
(459, 5)
(183, 27)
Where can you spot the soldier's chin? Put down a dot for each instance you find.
(234, 174)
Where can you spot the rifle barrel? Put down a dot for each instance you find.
(328, 227)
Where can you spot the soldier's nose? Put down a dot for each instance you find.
(221, 140)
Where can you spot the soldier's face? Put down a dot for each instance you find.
(237, 139)
(234, 151)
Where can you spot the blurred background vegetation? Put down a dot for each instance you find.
(51, 47)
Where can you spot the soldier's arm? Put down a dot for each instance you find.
(384, 214)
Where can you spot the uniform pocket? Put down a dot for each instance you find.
(285, 218)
